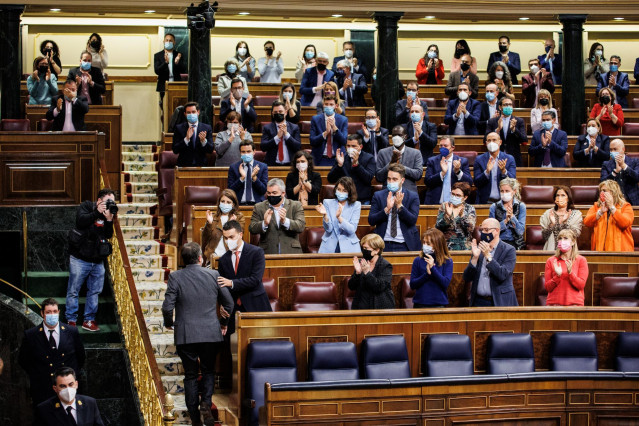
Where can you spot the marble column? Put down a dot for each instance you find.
(199, 89)
(387, 65)
(10, 66)
(573, 96)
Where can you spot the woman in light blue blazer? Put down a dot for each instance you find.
(341, 217)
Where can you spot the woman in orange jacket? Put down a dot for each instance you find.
(430, 68)
(611, 217)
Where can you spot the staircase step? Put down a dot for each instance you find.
(173, 384)
(140, 233)
(44, 284)
(155, 324)
(170, 366)
(138, 220)
(151, 307)
(141, 198)
(143, 157)
(106, 307)
(180, 412)
(151, 290)
(163, 345)
(150, 261)
(140, 176)
(143, 274)
(135, 147)
(134, 166)
(141, 247)
(138, 208)
(140, 188)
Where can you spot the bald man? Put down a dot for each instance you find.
(490, 269)
(624, 170)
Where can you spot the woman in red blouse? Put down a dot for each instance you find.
(430, 69)
(566, 273)
(608, 112)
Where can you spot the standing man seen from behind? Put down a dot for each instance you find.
(46, 347)
(490, 269)
(192, 140)
(193, 293)
(68, 110)
(511, 59)
(168, 65)
(89, 247)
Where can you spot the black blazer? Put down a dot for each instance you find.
(381, 141)
(40, 361)
(512, 143)
(484, 116)
(248, 117)
(98, 88)
(268, 144)
(189, 156)
(402, 115)
(293, 178)
(592, 159)
(52, 413)
(362, 175)
(427, 140)
(162, 69)
(373, 290)
(80, 108)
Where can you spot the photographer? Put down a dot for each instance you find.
(88, 248)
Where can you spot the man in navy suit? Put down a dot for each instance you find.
(314, 79)
(348, 47)
(394, 212)
(240, 102)
(550, 61)
(462, 114)
(489, 108)
(248, 177)
(419, 130)
(624, 170)
(443, 171)
(490, 168)
(352, 87)
(280, 138)
(47, 347)
(511, 59)
(490, 269)
(549, 146)
(67, 407)
(89, 79)
(356, 164)
(403, 106)
(328, 133)
(616, 81)
(192, 140)
(511, 130)
(374, 136)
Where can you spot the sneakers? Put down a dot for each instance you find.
(72, 323)
(90, 326)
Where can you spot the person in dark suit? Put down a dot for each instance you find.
(490, 269)
(394, 212)
(420, 131)
(168, 65)
(192, 140)
(443, 171)
(67, 407)
(280, 138)
(489, 108)
(348, 47)
(313, 81)
(191, 292)
(89, 80)
(410, 158)
(511, 59)
(373, 135)
(303, 183)
(328, 133)
(356, 164)
(240, 102)
(465, 75)
(47, 347)
(68, 110)
(462, 114)
(538, 78)
(616, 81)
(372, 278)
(248, 177)
(624, 170)
(549, 145)
(403, 106)
(551, 62)
(352, 86)
(511, 130)
(593, 148)
(490, 168)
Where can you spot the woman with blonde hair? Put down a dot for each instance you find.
(373, 275)
(227, 209)
(432, 271)
(510, 211)
(330, 89)
(566, 272)
(611, 217)
(544, 103)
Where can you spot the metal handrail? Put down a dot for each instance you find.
(24, 293)
(25, 229)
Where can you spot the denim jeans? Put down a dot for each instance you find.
(190, 353)
(79, 271)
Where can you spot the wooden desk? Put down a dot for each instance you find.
(107, 96)
(105, 119)
(49, 168)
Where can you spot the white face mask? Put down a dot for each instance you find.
(462, 96)
(231, 244)
(348, 53)
(398, 141)
(592, 130)
(534, 69)
(351, 152)
(67, 394)
(506, 197)
(241, 51)
(499, 74)
(301, 166)
(492, 146)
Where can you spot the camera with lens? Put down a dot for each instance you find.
(111, 206)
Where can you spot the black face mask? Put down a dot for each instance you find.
(269, 51)
(487, 237)
(96, 44)
(503, 49)
(47, 51)
(43, 69)
(321, 67)
(367, 254)
(605, 100)
(278, 117)
(464, 67)
(274, 199)
(544, 101)
(459, 53)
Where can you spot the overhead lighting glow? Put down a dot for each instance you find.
(619, 19)
(244, 13)
(524, 18)
(55, 10)
(149, 11)
(337, 16)
(429, 17)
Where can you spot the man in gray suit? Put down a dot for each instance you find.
(278, 221)
(410, 158)
(227, 142)
(193, 293)
(464, 75)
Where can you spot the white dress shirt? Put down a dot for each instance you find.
(56, 333)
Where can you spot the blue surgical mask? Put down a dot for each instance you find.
(444, 152)
(507, 110)
(329, 110)
(191, 118)
(490, 96)
(374, 76)
(287, 95)
(247, 158)
(309, 54)
(613, 155)
(411, 94)
(415, 117)
(427, 249)
(341, 196)
(86, 66)
(231, 69)
(432, 54)
(614, 68)
(455, 200)
(371, 123)
(226, 207)
(168, 45)
(547, 125)
(392, 186)
(51, 319)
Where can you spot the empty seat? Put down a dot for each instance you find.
(541, 294)
(332, 361)
(259, 156)
(584, 194)
(305, 127)
(468, 155)
(430, 102)
(627, 356)
(620, 291)
(271, 291)
(568, 159)
(405, 293)
(635, 102)
(347, 294)
(166, 173)
(385, 357)
(319, 296)
(537, 194)
(196, 196)
(311, 239)
(354, 127)
(265, 100)
(510, 353)
(267, 361)
(573, 352)
(45, 125)
(534, 238)
(630, 129)
(448, 355)
(327, 192)
(15, 125)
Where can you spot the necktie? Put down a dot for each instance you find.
(394, 222)
(547, 156)
(280, 151)
(52, 340)
(249, 184)
(374, 144)
(71, 418)
(194, 137)
(329, 144)
(446, 185)
(237, 259)
(349, 97)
